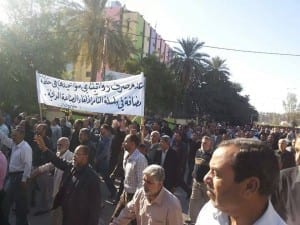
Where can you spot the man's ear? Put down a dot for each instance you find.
(251, 186)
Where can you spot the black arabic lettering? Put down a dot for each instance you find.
(116, 87)
(140, 85)
(54, 84)
(120, 104)
(136, 103)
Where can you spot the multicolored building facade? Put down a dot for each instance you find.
(145, 38)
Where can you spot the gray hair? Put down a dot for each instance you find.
(65, 140)
(156, 133)
(155, 171)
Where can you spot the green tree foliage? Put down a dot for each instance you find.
(162, 92)
(96, 35)
(188, 63)
(39, 35)
(207, 88)
(32, 40)
(220, 98)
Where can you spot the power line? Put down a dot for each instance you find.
(222, 48)
(176, 42)
(252, 51)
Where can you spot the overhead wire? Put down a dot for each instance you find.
(177, 42)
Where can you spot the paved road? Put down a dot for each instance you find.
(105, 213)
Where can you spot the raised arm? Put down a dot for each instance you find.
(51, 156)
(8, 142)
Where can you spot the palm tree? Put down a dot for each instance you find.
(218, 69)
(95, 36)
(188, 63)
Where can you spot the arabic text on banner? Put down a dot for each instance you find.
(122, 96)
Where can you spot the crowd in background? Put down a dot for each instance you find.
(104, 135)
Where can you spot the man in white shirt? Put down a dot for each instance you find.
(19, 170)
(134, 163)
(243, 174)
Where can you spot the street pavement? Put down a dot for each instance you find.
(106, 212)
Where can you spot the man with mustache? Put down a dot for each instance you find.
(153, 204)
(243, 174)
(79, 194)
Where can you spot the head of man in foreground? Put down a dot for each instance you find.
(153, 180)
(243, 174)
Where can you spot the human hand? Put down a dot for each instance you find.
(35, 173)
(40, 142)
(23, 185)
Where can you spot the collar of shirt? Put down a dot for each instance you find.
(133, 155)
(269, 216)
(159, 198)
(20, 144)
(206, 152)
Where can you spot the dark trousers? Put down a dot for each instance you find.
(102, 169)
(15, 193)
(124, 199)
(2, 217)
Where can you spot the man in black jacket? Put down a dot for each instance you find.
(201, 167)
(167, 158)
(79, 194)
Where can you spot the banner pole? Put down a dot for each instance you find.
(41, 112)
(142, 130)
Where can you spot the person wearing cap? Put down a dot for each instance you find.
(19, 170)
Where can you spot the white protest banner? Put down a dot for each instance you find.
(122, 96)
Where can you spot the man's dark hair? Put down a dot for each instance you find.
(255, 159)
(79, 121)
(134, 138)
(105, 126)
(44, 126)
(56, 120)
(86, 131)
(85, 149)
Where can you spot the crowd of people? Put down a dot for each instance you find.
(228, 173)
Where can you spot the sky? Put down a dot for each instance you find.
(256, 25)
(268, 25)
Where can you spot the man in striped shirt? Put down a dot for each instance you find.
(134, 163)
